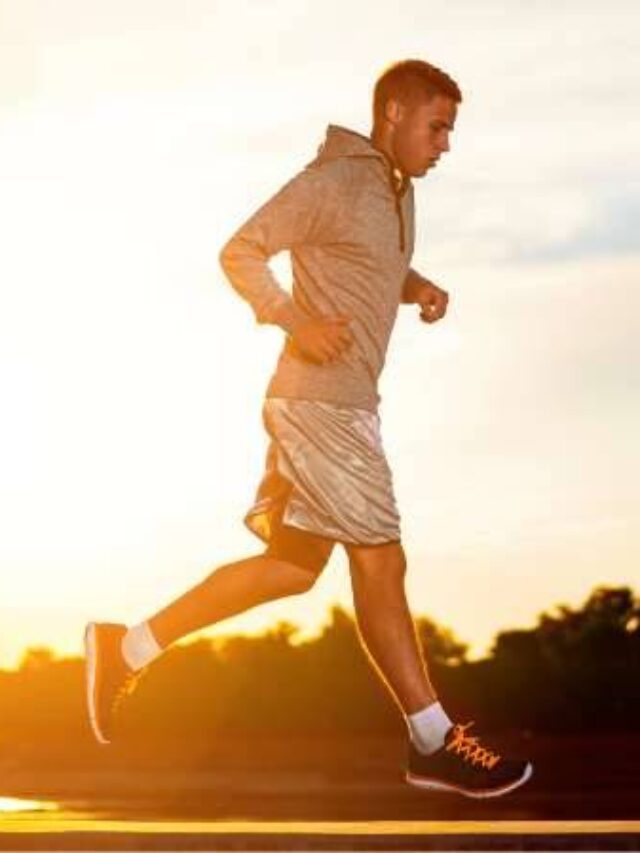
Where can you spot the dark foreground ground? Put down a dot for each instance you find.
(325, 779)
(305, 836)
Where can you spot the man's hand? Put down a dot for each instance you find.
(322, 341)
(432, 301)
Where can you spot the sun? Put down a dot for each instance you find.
(11, 805)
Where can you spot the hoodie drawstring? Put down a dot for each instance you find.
(401, 217)
(397, 185)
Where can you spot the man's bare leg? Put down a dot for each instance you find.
(442, 756)
(230, 589)
(385, 623)
(115, 655)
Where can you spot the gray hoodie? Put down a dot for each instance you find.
(347, 220)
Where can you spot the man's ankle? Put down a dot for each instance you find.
(428, 727)
(140, 647)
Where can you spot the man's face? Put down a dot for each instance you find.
(421, 134)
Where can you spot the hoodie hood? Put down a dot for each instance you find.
(342, 142)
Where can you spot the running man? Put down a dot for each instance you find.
(347, 220)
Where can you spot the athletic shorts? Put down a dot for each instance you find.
(325, 474)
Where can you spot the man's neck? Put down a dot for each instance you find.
(380, 141)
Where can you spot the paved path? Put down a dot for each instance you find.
(44, 832)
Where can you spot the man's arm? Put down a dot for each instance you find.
(411, 287)
(305, 210)
(432, 299)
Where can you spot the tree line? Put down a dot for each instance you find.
(577, 670)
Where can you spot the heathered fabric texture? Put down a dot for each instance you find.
(347, 220)
(325, 472)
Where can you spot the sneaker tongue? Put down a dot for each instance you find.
(448, 735)
(451, 733)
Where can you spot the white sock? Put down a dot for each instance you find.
(428, 727)
(139, 646)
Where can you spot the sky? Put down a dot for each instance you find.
(136, 136)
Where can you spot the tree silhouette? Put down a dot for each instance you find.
(440, 644)
(577, 670)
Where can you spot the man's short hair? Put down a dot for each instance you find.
(412, 81)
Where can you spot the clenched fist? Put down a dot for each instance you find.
(432, 301)
(322, 341)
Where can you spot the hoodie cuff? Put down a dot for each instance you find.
(288, 316)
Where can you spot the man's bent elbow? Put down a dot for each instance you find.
(225, 258)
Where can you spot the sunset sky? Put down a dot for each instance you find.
(136, 136)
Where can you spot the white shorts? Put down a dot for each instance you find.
(326, 473)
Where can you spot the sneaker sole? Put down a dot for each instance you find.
(480, 794)
(91, 666)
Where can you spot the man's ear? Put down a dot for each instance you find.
(393, 110)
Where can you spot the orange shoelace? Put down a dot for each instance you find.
(127, 687)
(469, 748)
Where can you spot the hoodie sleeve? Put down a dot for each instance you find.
(305, 210)
(411, 283)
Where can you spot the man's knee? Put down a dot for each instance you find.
(306, 554)
(377, 562)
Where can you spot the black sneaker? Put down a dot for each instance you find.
(108, 678)
(465, 767)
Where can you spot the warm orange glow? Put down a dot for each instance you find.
(131, 376)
